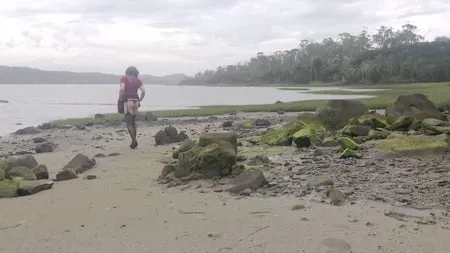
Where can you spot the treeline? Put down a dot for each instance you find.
(388, 56)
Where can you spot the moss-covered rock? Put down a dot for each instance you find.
(336, 113)
(355, 130)
(346, 142)
(9, 188)
(431, 126)
(374, 120)
(284, 136)
(247, 124)
(401, 123)
(210, 138)
(215, 159)
(21, 171)
(307, 136)
(413, 143)
(22, 161)
(184, 146)
(376, 134)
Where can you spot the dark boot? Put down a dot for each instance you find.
(130, 127)
(134, 142)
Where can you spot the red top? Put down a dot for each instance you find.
(132, 86)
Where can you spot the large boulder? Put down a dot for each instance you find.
(33, 187)
(417, 106)
(336, 113)
(414, 144)
(213, 160)
(41, 172)
(27, 161)
(305, 131)
(80, 163)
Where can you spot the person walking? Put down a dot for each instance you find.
(129, 101)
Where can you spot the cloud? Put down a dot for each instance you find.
(162, 37)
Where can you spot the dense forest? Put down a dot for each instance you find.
(24, 75)
(388, 56)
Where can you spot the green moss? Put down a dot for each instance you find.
(401, 123)
(284, 136)
(347, 153)
(403, 143)
(9, 188)
(346, 142)
(247, 124)
(207, 139)
(375, 120)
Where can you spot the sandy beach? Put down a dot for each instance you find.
(125, 209)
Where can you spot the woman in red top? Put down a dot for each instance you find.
(128, 94)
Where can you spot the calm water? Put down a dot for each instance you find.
(35, 104)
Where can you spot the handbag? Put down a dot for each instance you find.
(121, 104)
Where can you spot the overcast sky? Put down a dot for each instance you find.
(168, 36)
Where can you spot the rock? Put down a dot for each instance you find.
(182, 136)
(414, 144)
(21, 161)
(284, 136)
(262, 123)
(169, 135)
(249, 179)
(356, 130)
(376, 134)
(45, 147)
(38, 140)
(241, 158)
(99, 116)
(9, 188)
(417, 106)
(90, 177)
(99, 155)
(47, 126)
(228, 123)
(66, 174)
(33, 187)
(184, 146)
(167, 169)
(373, 120)
(149, 116)
(401, 123)
(336, 113)
(113, 154)
(432, 126)
(307, 136)
(298, 207)
(336, 197)
(213, 160)
(41, 172)
(258, 160)
(346, 142)
(80, 163)
(28, 130)
(333, 245)
(207, 139)
(23, 172)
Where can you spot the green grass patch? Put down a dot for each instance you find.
(437, 92)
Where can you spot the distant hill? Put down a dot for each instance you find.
(25, 75)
